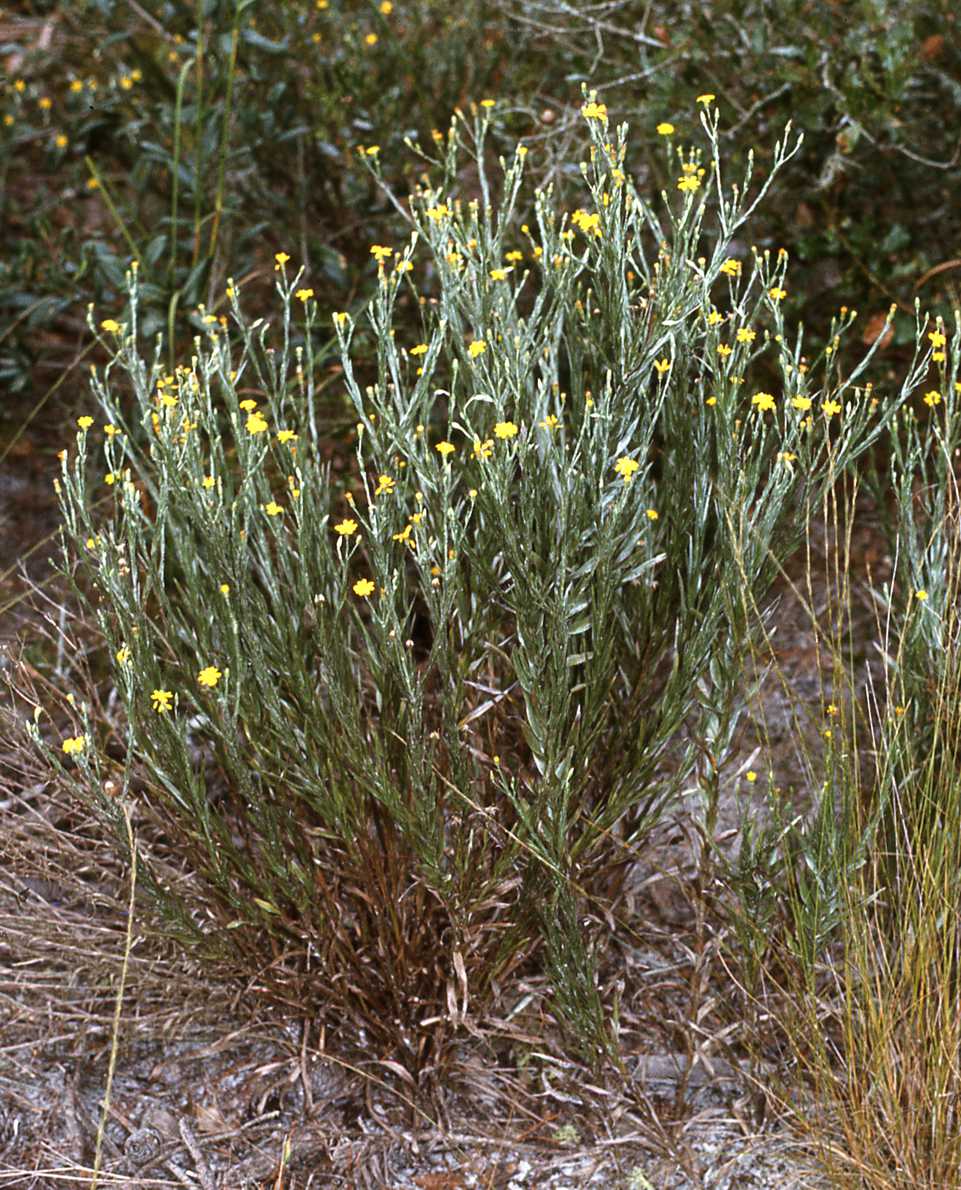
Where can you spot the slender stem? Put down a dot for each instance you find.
(175, 184)
(225, 132)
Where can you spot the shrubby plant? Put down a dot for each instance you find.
(404, 726)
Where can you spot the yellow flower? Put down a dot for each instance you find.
(488, 103)
(651, 514)
(273, 508)
(440, 211)
(746, 335)
(45, 103)
(284, 436)
(932, 398)
(248, 405)
(505, 429)
(499, 274)
(110, 430)
(304, 294)
(714, 318)
(478, 347)
(445, 448)
(384, 484)
(256, 424)
(830, 408)
(339, 317)
(514, 256)
(664, 129)
(346, 528)
(209, 676)
(73, 745)
(594, 111)
(627, 468)
(937, 339)
(404, 534)
(161, 700)
(85, 422)
(281, 259)
(420, 349)
(363, 587)
(61, 141)
(224, 588)
(776, 294)
(123, 655)
(706, 98)
(723, 349)
(381, 252)
(802, 403)
(386, 8)
(731, 267)
(751, 776)
(371, 39)
(111, 478)
(921, 595)
(483, 450)
(689, 183)
(549, 423)
(209, 481)
(661, 366)
(371, 150)
(111, 325)
(764, 402)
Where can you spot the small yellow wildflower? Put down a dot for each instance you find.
(111, 430)
(273, 508)
(594, 111)
(751, 776)
(777, 294)
(123, 655)
(339, 317)
(689, 183)
(284, 436)
(706, 98)
(764, 402)
(661, 366)
(932, 398)
(363, 587)
(45, 103)
(483, 450)
(714, 318)
(209, 676)
(85, 422)
(830, 408)
(499, 274)
(381, 252)
(478, 347)
(161, 700)
(937, 339)
(419, 349)
(746, 335)
(651, 514)
(445, 448)
(550, 422)
(664, 129)
(280, 259)
(371, 39)
(256, 424)
(802, 403)
(248, 405)
(304, 294)
(505, 429)
(731, 267)
(438, 212)
(384, 484)
(921, 595)
(209, 481)
(386, 8)
(73, 745)
(224, 588)
(346, 527)
(626, 467)
(61, 141)
(723, 349)
(111, 326)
